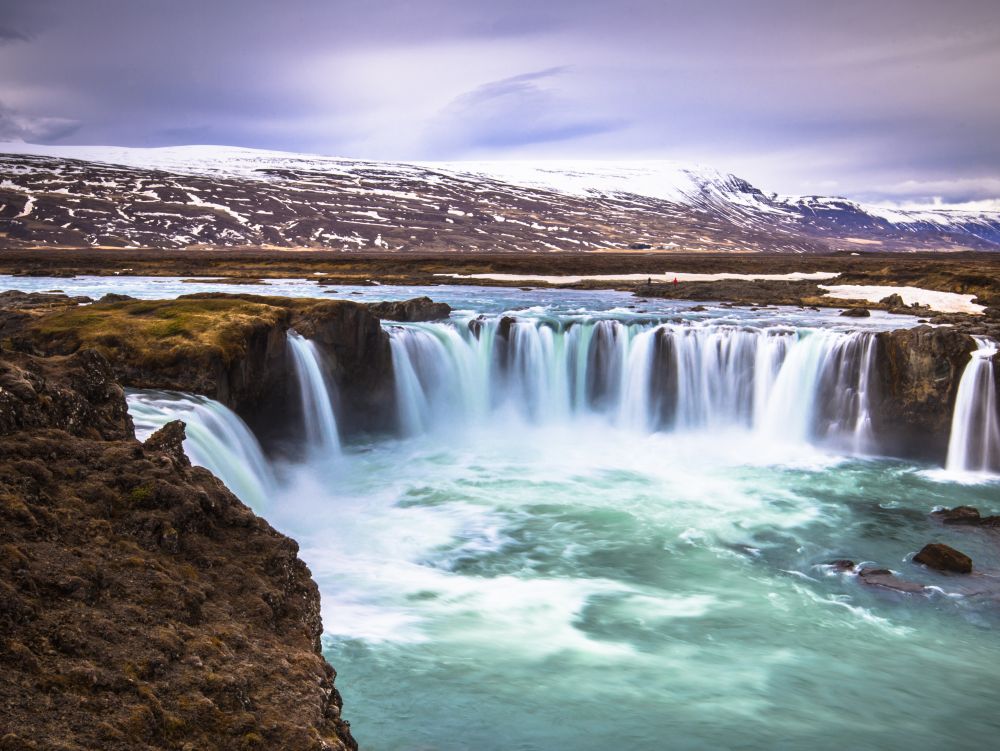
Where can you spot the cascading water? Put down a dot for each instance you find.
(786, 384)
(974, 445)
(318, 415)
(217, 439)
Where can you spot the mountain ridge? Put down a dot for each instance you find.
(198, 196)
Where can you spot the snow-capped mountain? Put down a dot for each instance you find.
(194, 196)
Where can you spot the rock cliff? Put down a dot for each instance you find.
(232, 348)
(917, 375)
(142, 605)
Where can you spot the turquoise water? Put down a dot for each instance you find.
(572, 589)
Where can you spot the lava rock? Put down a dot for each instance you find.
(943, 557)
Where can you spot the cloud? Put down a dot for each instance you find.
(9, 35)
(15, 126)
(791, 95)
(948, 191)
(516, 111)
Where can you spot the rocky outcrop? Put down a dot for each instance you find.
(232, 348)
(142, 605)
(416, 309)
(917, 375)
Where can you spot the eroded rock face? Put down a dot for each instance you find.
(142, 605)
(917, 375)
(232, 348)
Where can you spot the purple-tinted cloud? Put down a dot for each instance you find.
(852, 97)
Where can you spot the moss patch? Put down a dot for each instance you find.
(161, 331)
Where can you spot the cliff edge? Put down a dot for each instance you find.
(142, 605)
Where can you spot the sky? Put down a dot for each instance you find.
(893, 101)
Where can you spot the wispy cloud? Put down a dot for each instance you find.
(511, 112)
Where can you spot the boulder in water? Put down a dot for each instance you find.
(941, 557)
(856, 313)
(884, 578)
(957, 515)
(505, 325)
(966, 515)
(411, 311)
(842, 564)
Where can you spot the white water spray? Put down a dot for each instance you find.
(217, 439)
(318, 415)
(788, 385)
(974, 445)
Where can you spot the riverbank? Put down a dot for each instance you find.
(793, 280)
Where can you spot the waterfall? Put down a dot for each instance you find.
(974, 445)
(315, 392)
(785, 384)
(217, 439)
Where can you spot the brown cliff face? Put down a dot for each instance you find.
(918, 372)
(232, 348)
(142, 605)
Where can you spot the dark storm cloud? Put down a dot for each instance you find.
(890, 99)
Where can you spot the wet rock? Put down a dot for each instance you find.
(504, 327)
(965, 515)
(893, 301)
(476, 325)
(856, 313)
(409, 311)
(957, 515)
(884, 578)
(842, 564)
(941, 557)
(917, 372)
(115, 297)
